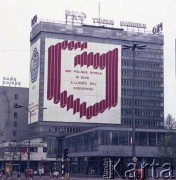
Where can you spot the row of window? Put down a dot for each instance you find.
(84, 142)
(142, 122)
(142, 73)
(142, 102)
(124, 138)
(142, 54)
(142, 112)
(64, 129)
(143, 93)
(143, 83)
(143, 64)
(21, 149)
(90, 141)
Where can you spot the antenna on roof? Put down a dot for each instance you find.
(99, 11)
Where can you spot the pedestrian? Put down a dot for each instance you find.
(18, 174)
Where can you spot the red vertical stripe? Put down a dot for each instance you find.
(85, 58)
(71, 45)
(76, 106)
(107, 80)
(82, 59)
(64, 44)
(116, 76)
(70, 102)
(90, 57)
(63, 98)
(75, 60)
(77, 45)
(82, 109)
(50, 70)
(83, 45)
(57, 72)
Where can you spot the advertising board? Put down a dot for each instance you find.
(34, 81)
(82, 82)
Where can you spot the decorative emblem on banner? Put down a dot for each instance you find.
(34, 65)
(107, 62)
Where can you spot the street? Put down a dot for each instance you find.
(48, 178)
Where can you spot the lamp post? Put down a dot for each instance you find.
(133, 48)
(29, 140)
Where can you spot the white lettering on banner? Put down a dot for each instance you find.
(132, 24)
(103, 21)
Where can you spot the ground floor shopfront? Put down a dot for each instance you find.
(45, 166)
(90, 151)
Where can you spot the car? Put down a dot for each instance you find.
(55, 173)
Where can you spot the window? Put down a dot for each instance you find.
(14, 133)
(33, 149)
(123, 138)
(44, 149)
(15, 114)
(15, 124)
(16, 96)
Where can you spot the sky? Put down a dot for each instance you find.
(15, 27)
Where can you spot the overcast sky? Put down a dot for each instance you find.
(15, 21)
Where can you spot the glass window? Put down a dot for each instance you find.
(152, 139)
(115, 137)
(123, 138)
(160, 138)
(105, 137)
(142, 138)
(33, 149)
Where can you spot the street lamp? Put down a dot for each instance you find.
(29, 140)
(133, 48)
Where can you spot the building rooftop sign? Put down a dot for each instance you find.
(132, 24)
(10, 81)
(158, 28)
(34, 20)
(103, 21)
(74, 15)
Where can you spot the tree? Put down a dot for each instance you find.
(5, 111)
(15, 152)
(167, 146)
(170, 122)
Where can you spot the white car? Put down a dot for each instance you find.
(55, 173)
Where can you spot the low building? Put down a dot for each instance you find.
(16, 153)
(13, 122)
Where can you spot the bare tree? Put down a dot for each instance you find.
(16, 152)
(167, 147)
(170, 122)
(5, 111)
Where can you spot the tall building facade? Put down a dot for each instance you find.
(13, 122)
(83, 76)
